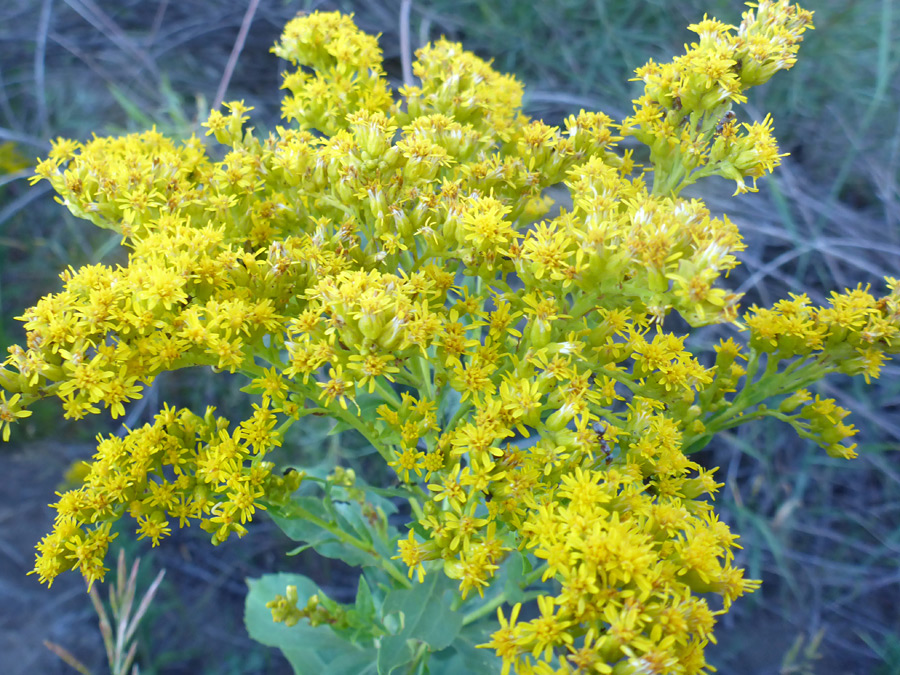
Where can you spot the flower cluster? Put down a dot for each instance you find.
(180, 469)
(685, 114)
(395, 265)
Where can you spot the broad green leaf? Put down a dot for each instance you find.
(368, 405)
(426, 612)
(395, 651)
(310, 651)
(377, 497)
(298, 550)
(464, 657)
(340, 426)
(419, 614)
(353, 663)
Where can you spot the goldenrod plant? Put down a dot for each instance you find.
(394, 263)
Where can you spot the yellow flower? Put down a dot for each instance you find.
(506, 641)
(336, 388)
(543, 634)
(408, 460)
(371, 366)
(450, 489)
(413, 554)
(10, 412)
(154, 527)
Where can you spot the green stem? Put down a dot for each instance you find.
(498, 600)
(797, 375)
(462, 410)
(502, 284)
(535, 575)
(492, 604)
(752, 367)
(363, 429)
(345, 537)
(620, 377)
(416, 508)
(303, 412)
(755, 415)
(484, 610)
(388, 394)
(585, 304)
(668, 184)
(350, 540)
(458, 601)
(418, 661)
(425, 257)
(423, 372)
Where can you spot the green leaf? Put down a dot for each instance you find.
(362, 623)
(395, 651)
(420, 614)
(351, 514)
(324, 542)
(365, 603)
(464, 657)
(368, 405)
(299, 549)
(377, 497)
(354, 663)
(339, 427)
(515, 567)
(475, 661)
(426, 612)
(310, 651)
(390, 492)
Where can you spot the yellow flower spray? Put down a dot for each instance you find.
(390, 263)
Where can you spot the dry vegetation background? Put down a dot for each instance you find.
(824, 534)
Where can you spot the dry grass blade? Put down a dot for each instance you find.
(121, 647)
(127, 591)
(15, 136)
(157, 21)
(129, 659)
(40, 54)
(144, 604)
(803, 653)
(67, 656)
(117, 590)
(18, 175)
(235, 54)
(21, 202)
(95, 16)
(105, 626)
(405, 48)
(93, 65)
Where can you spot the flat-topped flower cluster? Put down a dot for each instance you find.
(396, 263)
